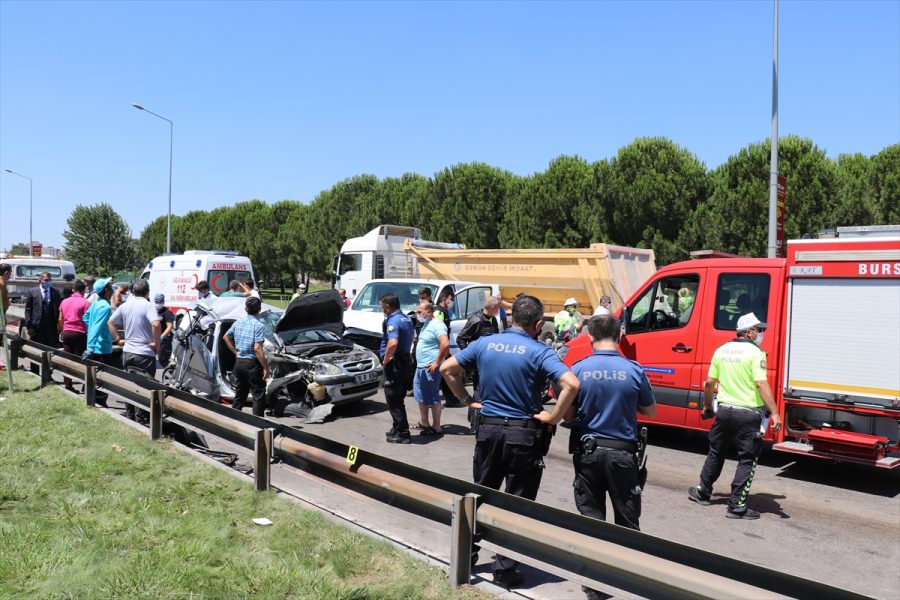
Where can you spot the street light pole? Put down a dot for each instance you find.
(171, 141)
(773, 161)
(30, 208)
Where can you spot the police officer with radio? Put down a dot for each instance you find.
(510, 443)
(396, 343)
(744, 400)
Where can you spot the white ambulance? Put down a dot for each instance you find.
(177, 275)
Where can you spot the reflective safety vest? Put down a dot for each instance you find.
(564, 322)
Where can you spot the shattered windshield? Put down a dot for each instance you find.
(292, 337)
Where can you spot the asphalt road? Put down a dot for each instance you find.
(839, 524)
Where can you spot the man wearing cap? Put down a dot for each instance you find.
(99, 338)
(509, 442)
(301, 289)
(167, 323)
(744, 401)
(567, 322)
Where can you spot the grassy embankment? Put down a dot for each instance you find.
(90, 508)
(274, 296)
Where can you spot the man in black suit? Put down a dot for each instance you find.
(42, 312)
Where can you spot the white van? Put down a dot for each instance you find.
(177, 275)
(26, 274)
(364, 317)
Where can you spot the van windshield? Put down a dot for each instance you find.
(369, 299)
(36, 270)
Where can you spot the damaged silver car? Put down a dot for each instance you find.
(311, 364)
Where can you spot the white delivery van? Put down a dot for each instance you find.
(26, 272)
(177, 275)
(364, 317)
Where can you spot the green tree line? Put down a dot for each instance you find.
(651, 194)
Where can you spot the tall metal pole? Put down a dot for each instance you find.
(773, 168)
(171, 146)
(169, 216)
(30, 208)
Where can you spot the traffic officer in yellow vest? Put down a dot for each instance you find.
(568, 320)
(744, 406)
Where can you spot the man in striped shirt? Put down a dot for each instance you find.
(245, 339)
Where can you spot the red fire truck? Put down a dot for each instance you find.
(833, 341)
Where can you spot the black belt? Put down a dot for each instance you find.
(506, 422)
(591, 444)
(757, 410)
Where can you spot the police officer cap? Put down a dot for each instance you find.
(571, 302)
(749, 320)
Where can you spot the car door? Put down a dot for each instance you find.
(468, 300)
(662, 334)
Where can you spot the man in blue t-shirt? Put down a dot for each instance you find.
(396, 343)
(514, 369)
(613, 390)
(432, 348)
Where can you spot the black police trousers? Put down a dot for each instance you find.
(248, 373)
(513, 453)
(739, 427)
(396, 379)
(608, 471)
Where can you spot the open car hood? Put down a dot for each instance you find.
(320, 310)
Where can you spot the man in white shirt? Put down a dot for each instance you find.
(140, 322)
(603, 307)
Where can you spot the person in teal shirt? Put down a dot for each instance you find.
(99, 337)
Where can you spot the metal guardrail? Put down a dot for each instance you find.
(592, 549)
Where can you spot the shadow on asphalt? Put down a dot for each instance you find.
(857, 478)
(868, 480)
(362, 408)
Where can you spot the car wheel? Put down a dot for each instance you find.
(168, 376)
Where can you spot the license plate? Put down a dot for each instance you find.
(366, 377)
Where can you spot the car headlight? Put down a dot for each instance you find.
(328, 370)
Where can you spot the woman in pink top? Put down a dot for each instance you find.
(72, 329)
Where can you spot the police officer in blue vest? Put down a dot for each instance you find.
(510, 443)
(396, 343)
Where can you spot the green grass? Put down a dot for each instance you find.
(90, 508)
(274, 296)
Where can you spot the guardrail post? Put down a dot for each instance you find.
(156, 413)
(262, 459)
(462, 532)
(45, 368)
(15, 347)
(90, 385)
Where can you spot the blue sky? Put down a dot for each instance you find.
(280, 100)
